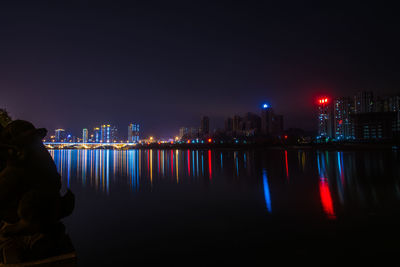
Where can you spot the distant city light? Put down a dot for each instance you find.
(265, 106)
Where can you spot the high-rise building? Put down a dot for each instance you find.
(390, 104)
(325, 120)
(277, 124)
(343, 108)
(183, 132)
(267, 115)
(374, 125)
(96, 135)
(85, 135)
(108, 133)
(361, 118)
(205, 125)
(194, 132)
(251, 123)
(133, 133)
(228, 125)
(236, 124)
(60, 135)
(364, 102)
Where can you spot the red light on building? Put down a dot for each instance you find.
(286, 136)
(323, 101)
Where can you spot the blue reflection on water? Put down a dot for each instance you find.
(266, 191)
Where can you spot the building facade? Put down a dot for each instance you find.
(205, 125)
(96, 135)
(343, 108)
(364, 102)
(228, 125)
(183, 132)
(85, 135)
(133, 133)
(60, 135)
(108, 133)
(271, 123)
(374, 125)
(325, 118)
(360, 118)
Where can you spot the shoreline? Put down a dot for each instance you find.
(327, 147)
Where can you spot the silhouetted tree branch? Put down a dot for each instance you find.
(4, 117)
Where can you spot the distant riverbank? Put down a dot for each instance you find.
(330, 146)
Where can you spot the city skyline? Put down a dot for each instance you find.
(168, 64)
(351, 104)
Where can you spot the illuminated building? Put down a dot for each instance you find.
(183, 132)
(325, 120)
(205, 125)
(60, 135)
(133, 133)
(96, 135)
(266, 119)
(85, 135)
(343, 108)
(363, 119)
(374, 125)
(390, 104)
(108, 133)
(271, 123)
(364, 102)
(188, 133)
(236, 124)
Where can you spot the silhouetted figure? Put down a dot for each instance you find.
(30, 202)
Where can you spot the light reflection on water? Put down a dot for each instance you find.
(344, 179)
(95, 168)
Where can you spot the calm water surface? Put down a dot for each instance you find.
(194, 207)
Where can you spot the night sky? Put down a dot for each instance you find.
(164, 64)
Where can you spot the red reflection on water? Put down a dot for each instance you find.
(188, 160)
(209, 164)
(286, 163)
(326, 198)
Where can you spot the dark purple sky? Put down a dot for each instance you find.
(76, 64)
